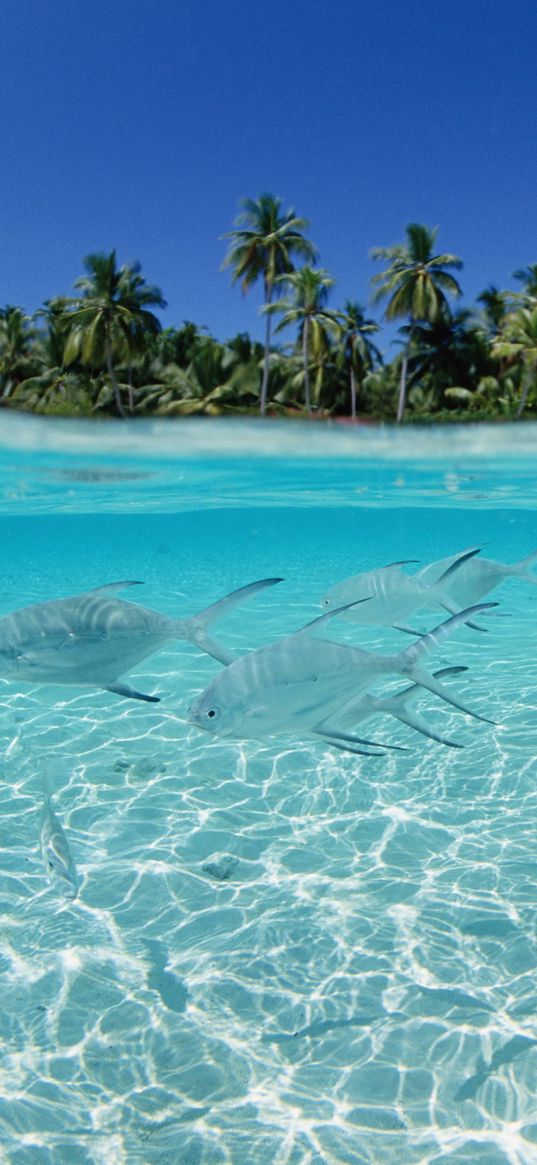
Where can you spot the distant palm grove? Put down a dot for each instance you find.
(103, 352)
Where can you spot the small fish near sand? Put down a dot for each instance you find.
(57, 857)
(303, 685)
(93, 639)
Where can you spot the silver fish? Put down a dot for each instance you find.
(475, 577)
(92, 639)
(394, 595)
(301, 684)
(57, 856)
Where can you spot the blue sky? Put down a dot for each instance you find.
(142, 126)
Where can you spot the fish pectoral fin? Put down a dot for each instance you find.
(131, 693)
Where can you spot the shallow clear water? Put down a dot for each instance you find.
(361, 985)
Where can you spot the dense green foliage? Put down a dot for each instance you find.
(103, 351)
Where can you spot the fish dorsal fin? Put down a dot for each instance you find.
(329, 615)
(458, 562)
(115, 586)
(403, 562)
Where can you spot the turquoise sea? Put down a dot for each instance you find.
(280, 952)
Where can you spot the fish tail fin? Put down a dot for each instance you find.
(522, 569)
(407, 696)
(453, 609)
(428, 643)
(195, 628)
(401, 707)
(410, 659)
(415, 720)
(426, 680)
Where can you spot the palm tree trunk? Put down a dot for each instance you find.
(526, 385)
(305, 357)
(113, 378)
(404, 374)
(131, 394)
(266, 356)
(353, 393)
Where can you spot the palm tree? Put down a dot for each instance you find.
(109, 319)
(17, 359)
(358, 349)
(42, 387)
(451, 351)
(417, 283)
(138, 296)
(494, 307)
(51, 338)
(517, 343)
(528, 277)
(307, 308)
(262, 247)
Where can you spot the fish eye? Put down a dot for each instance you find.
(325, 602)
(212, 713)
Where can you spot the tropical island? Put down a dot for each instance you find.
(103, 351)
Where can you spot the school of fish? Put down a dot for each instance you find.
(302, 685)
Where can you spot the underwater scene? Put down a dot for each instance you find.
(268, 831)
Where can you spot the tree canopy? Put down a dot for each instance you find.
(103, 351)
